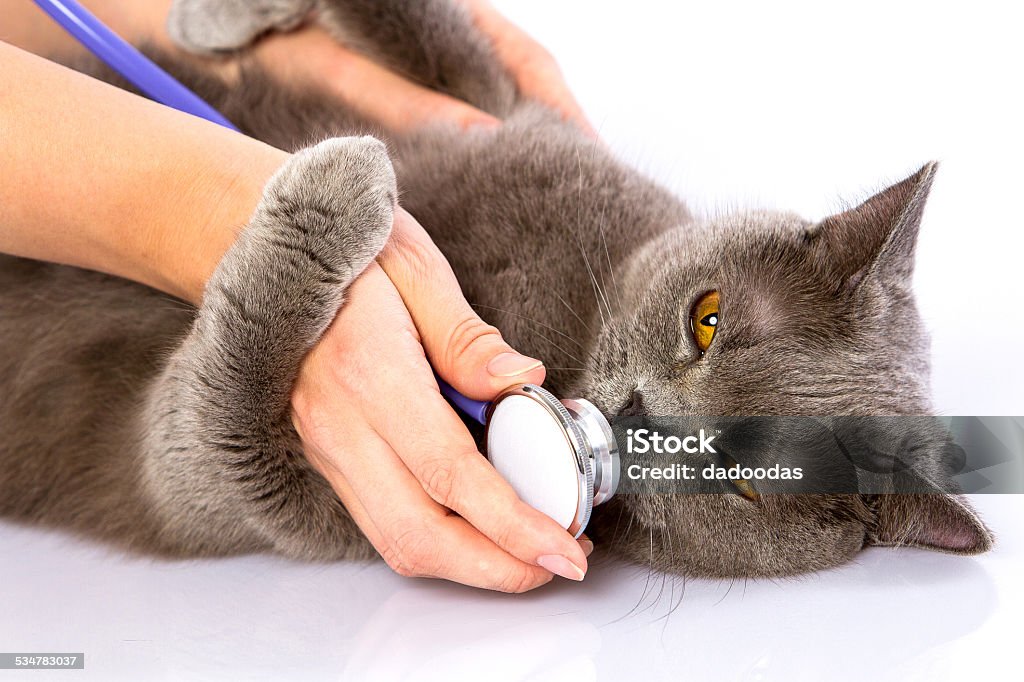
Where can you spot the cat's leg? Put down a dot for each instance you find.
(223, 465)
(433, 42)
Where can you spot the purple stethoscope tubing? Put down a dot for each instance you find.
(162, 87)
(475, 409)
(156, 83)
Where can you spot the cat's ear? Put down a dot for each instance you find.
(877, 237)
(931, 521)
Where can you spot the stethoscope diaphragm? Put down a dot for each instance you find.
(560, 456)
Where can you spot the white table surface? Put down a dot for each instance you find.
(733, 105)
(891, 615)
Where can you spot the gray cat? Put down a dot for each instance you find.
(143, 422)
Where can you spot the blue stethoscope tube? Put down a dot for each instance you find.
(475, 409)
(127, 61)
(160, 86)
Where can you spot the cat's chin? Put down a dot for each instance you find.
(723, 536)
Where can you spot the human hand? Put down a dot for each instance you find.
(310, 55)
(536, 73)
(372, 421)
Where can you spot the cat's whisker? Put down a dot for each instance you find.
(604, 242)
(661, 590)
(680, 578)
(629, 526)
(672, 595)
(665, 579)
(655, 595)
(571, 355)
(598, 292)
(682, 592)
(672, 605)
(530, 319)
(727, 591)
(604, 238)
(593, 281)
(574, 313)
(651, 560)
(632, 611)
(647, 581)
(607, 254)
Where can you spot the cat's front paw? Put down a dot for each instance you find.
(323, 218)
(223, 464)
(205, 26)
(336, 201)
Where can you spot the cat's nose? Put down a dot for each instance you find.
(635, 406)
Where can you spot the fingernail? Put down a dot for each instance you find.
(586, 545)
(511, 364)
(559, 565)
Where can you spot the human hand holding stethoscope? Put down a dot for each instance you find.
(373, 423)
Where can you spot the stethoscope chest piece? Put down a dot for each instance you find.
(559, 456)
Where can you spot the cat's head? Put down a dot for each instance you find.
(765, 313)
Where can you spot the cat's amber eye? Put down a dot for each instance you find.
(742, 485)
(704, 318)
(745, 489)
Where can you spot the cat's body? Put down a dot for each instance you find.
(110, 425)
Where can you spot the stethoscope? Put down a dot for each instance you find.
(560, 456)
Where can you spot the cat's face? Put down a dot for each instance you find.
(768, 314)
(791, 334)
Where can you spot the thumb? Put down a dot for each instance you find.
(465, 351)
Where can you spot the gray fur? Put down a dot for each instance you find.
(223, 460)
(432, 43)
(212, 26)
(124, 418)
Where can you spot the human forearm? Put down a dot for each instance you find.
(27, 26)
(99, 178)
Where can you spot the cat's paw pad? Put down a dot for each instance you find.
(205, 26)
(340, 196)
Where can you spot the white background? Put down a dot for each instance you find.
(785, 105)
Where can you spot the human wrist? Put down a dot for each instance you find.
(221, 199)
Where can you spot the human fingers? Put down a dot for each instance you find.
(414, 535)
(437, 449)
(349, 377)
(434, 445)
(372, 90)
(534, 69)
(468, 353)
